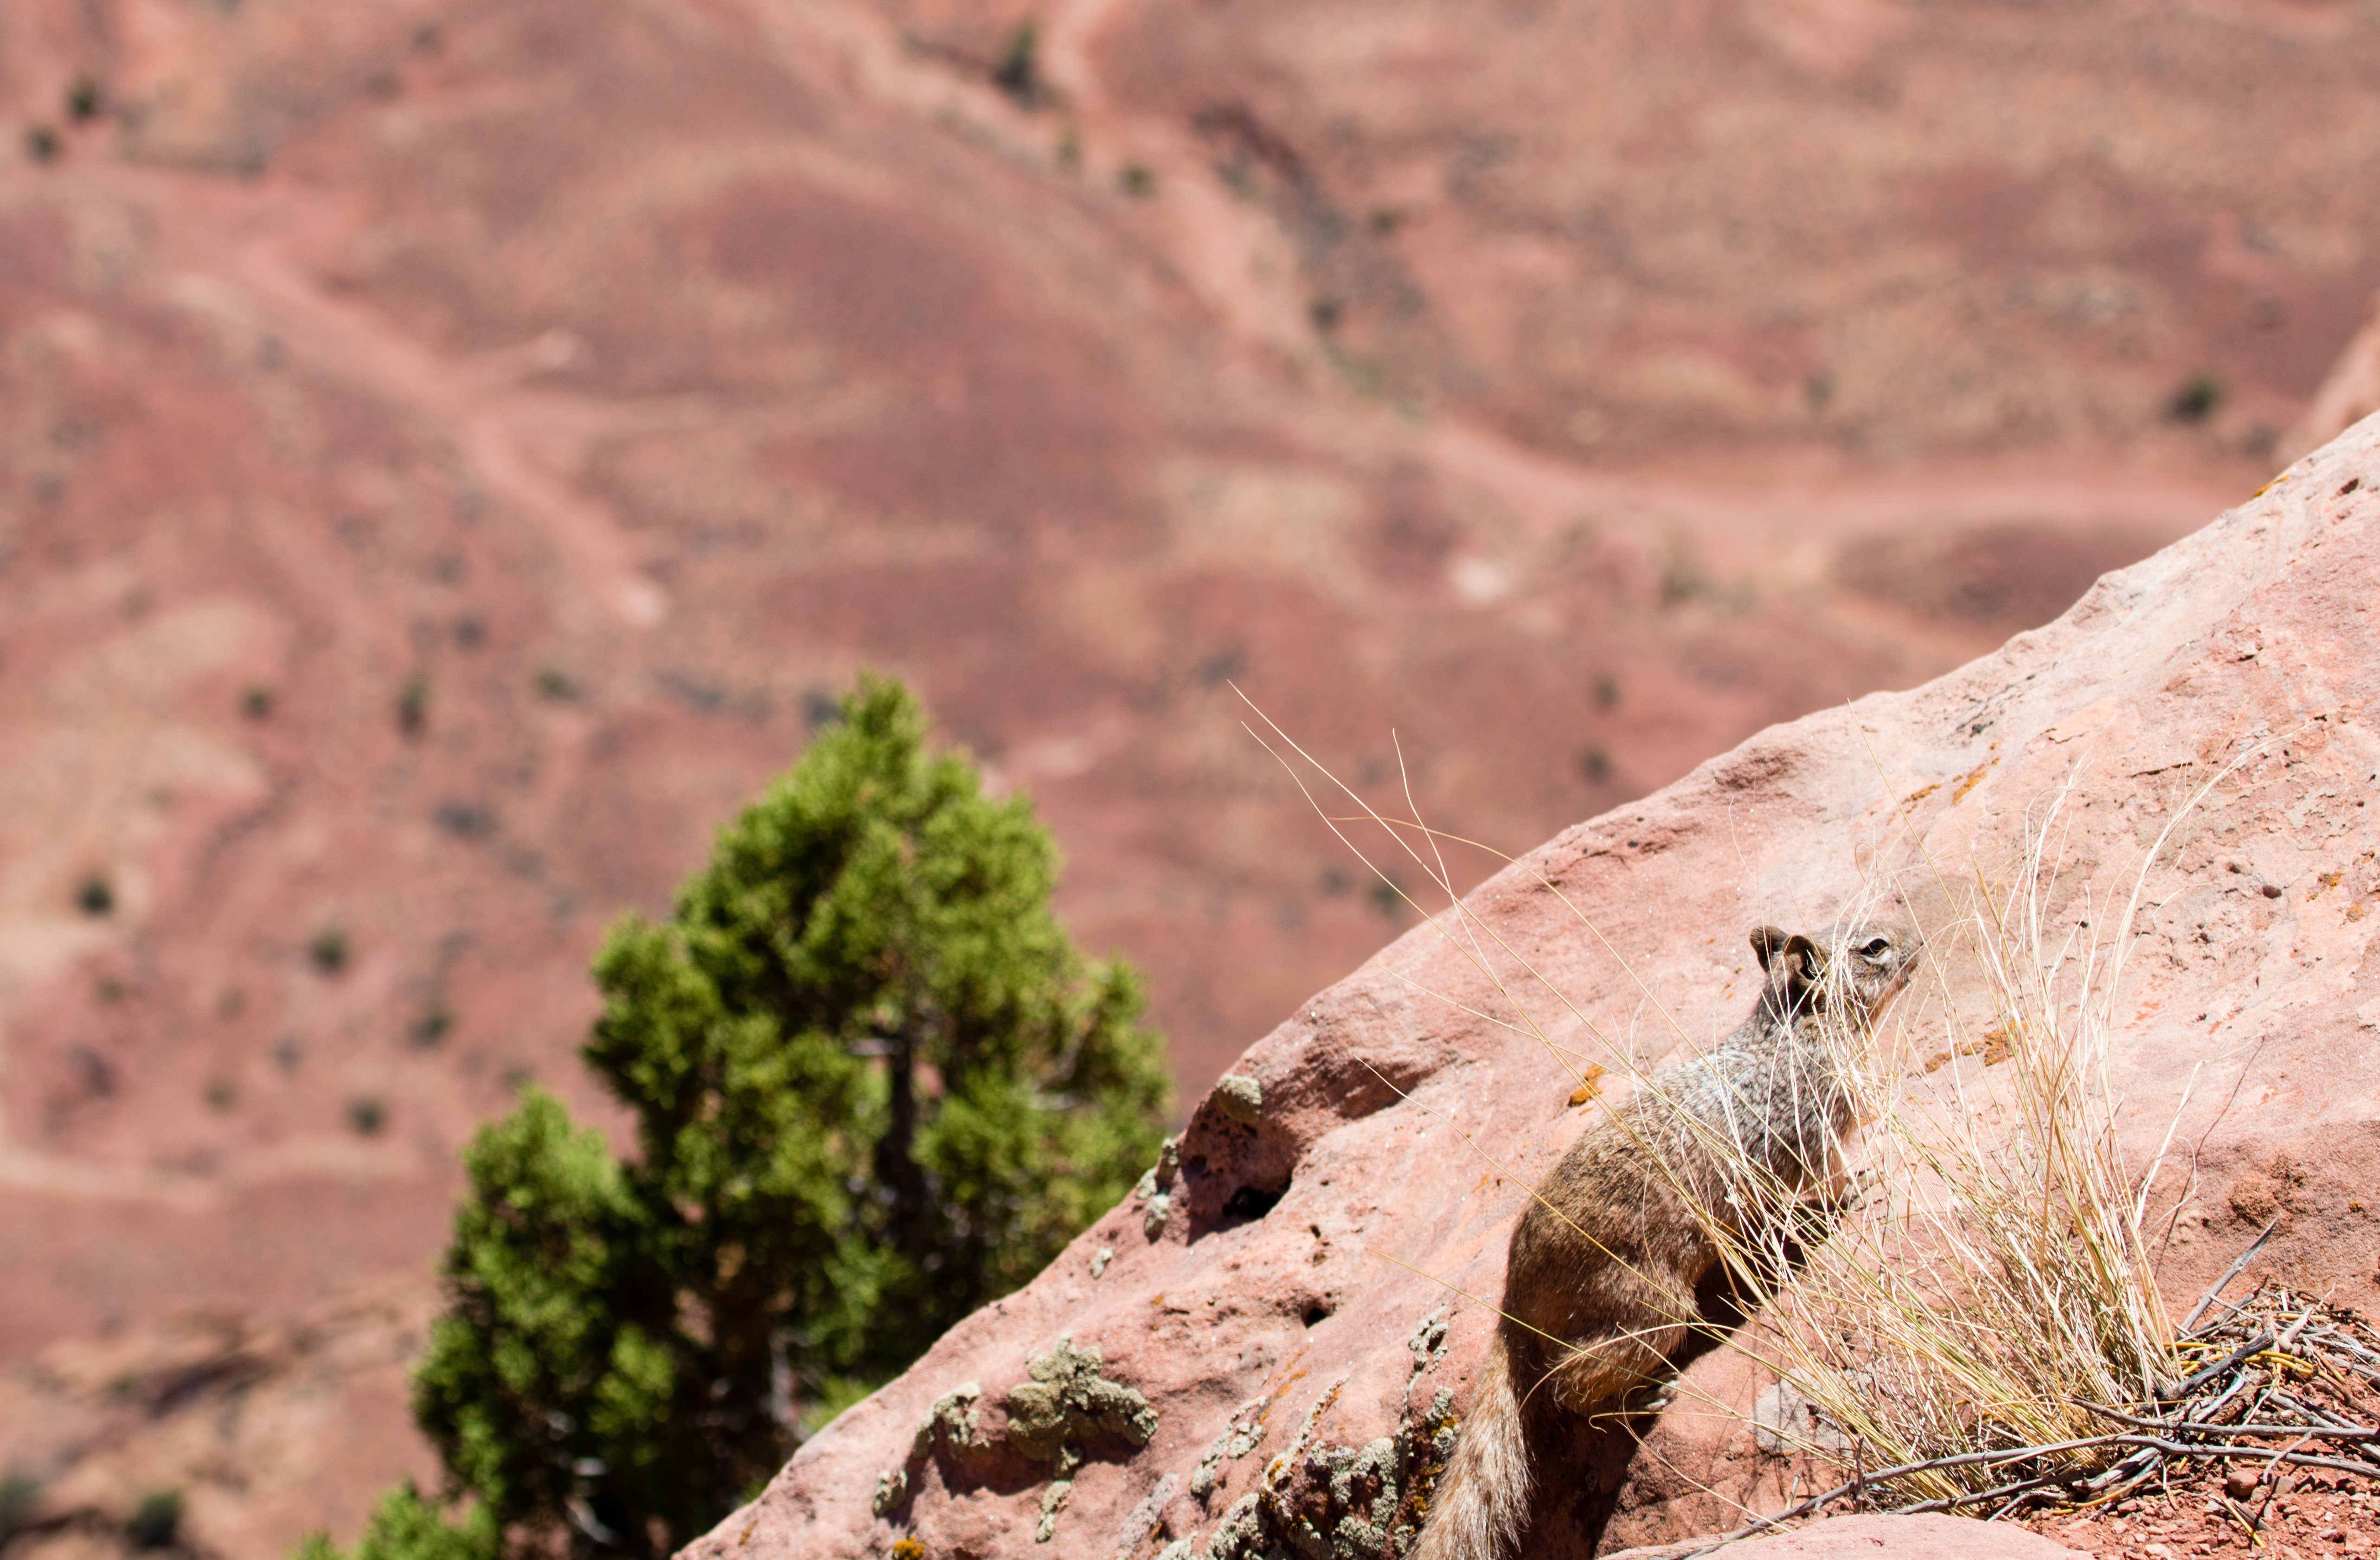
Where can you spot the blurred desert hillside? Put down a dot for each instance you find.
(452, 453)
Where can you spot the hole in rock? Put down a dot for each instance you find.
(1249, 1204)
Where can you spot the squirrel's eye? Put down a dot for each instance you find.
(1876, 945)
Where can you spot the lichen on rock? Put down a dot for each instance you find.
(1240, 1097)
(949, 1429)
(1065, 1404)
(1156, 1188)
(1428, 1345)
(1239, 1438)
(1067, 1401)
(1342, 1502)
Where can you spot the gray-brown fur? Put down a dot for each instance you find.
(1599, 1283)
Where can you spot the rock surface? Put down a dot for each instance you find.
(1302, 1301)
(1887, 1538)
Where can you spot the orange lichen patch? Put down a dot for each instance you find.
(1994, 1047)
(1974, 777)
(1590, 1085)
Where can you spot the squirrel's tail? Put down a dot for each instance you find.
(1477, 1509)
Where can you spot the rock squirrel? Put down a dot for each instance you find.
(1599, 1283)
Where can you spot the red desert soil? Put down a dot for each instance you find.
(450, 455)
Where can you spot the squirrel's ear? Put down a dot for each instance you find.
(1765, 941)
(1792, 962)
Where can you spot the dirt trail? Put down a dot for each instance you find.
(255, 239)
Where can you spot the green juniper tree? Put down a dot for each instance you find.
(874, 1086)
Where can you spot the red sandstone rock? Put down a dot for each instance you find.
(1302, 1300)
(1887, 1537)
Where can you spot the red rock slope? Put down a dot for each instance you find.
(1280, 1312)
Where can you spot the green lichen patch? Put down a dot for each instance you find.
(949, 1426)
(1068, 1403)
(1063, 1407)
(1156, 1188)
(949, 1432)
(1342, 1503)
(1320, 1502)
(1239, 1438)
(1427, 1344)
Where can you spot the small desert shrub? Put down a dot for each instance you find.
(367, 1114)
(555, 684)
(84, 100)
(327, 950)
(465, 819)
(413, 705)
(94, 896)
(20, 1493)
(156, 1522)
(2196, 400)
(430, 1027)
(1018, 74)
(256, 703)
